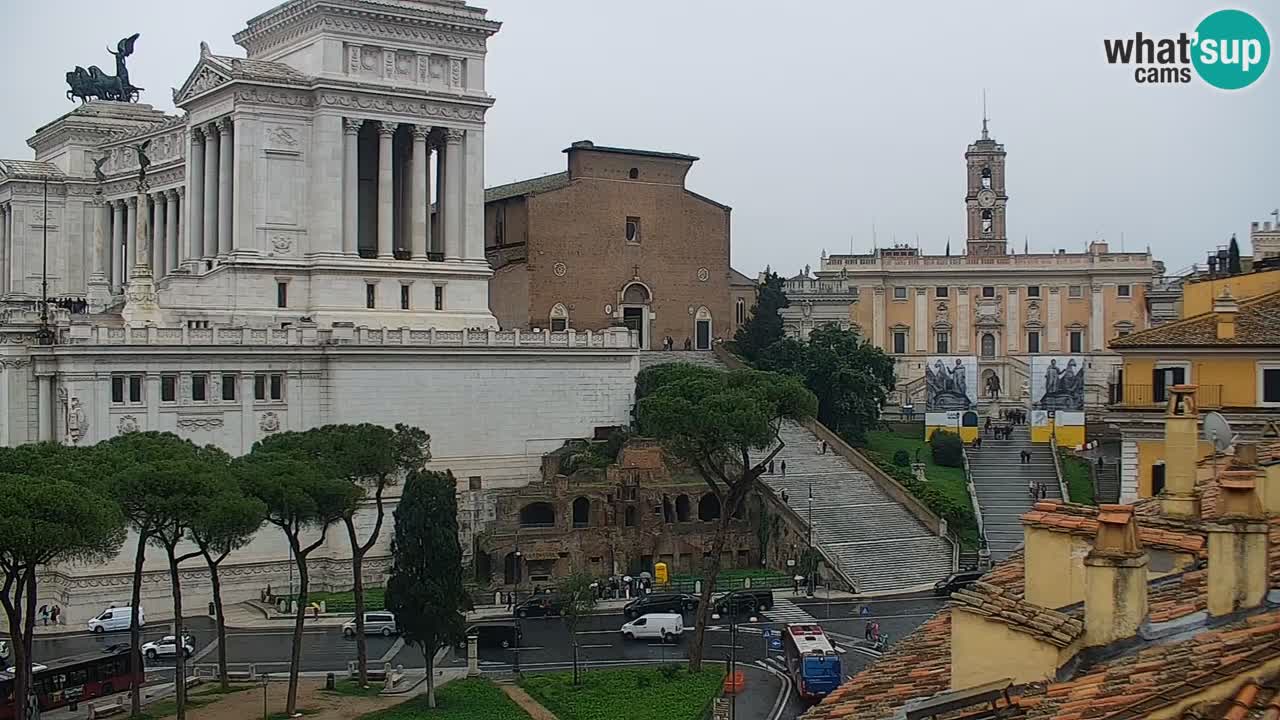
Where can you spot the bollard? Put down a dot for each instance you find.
(212, 609)
(322, 607)
(473, 655)
(329, 682)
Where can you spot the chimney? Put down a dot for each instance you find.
(1181, 452)
(1225, 309)
(1238, 569)
(1115, 600)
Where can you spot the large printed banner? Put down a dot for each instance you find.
(1057, 397)
(951, 394)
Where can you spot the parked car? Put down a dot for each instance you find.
(660, 603)
(665, 627)
(113, 619)
(539, 606)
(743, 602)
(375, 623)
(956, 581)
(167, 646)
(493, 635)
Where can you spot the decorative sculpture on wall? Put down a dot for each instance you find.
(270, 422)
(127, 424)
(77, 422)
(143, 163)
(95, 84)
(100, 176)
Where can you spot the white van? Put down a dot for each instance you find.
(666, 627)
(113, 619)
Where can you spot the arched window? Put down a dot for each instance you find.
(538, 515)
(709, 508)
(740, 311)
(581, 512)
(682, 508)
(635, 294)
(986, 177)
(559, 318)
(629, 516)
(988, 345)
(986, 222)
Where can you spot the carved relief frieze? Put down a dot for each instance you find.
(282, 136)
(199, 422)
(127, 424)
(419, 108)
(265, 96)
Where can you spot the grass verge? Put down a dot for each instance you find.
(946, 493)
(353, 689)
(666, 693)
(345, 602)
(459, 700)
(1079, 481)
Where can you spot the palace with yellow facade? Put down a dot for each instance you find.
(1001, 306)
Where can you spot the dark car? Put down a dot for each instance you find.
(539, 606)
(660, 603)
(956, 581)
(744, 602)
(493, 635)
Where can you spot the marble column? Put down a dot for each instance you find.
(195, 207)
(209, 244)
(171, 231)
(101, 224)
(351, 185)
(159, 239)
(420, 196)
(225, 172)
(118, 265)
(385, 197)
(473, 198)
(44, 407)
(4, 249)
(141, 257)
(454, 221)
(130, 237)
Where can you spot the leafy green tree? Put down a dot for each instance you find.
(48, 514)
(425, 590)
(1233, 256)
(850, 376)
(373, 458)
(579, 600)
(300, 496)
(227, 522)
(947, 448)
(713, 421)
(764, 326)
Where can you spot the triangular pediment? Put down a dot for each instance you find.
(208, 74)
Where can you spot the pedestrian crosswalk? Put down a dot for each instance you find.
(785, 611)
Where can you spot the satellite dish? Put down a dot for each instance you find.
(1218, 431)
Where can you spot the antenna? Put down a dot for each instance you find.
(1218, 432)
(984, 114)
(874, 244)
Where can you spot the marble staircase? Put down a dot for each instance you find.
(1001, 481)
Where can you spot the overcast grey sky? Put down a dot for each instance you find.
(813, 120)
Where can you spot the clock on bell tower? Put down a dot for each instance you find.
(985, 199)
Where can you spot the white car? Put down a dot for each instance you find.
(167, 647)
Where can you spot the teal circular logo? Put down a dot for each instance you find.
(1232, 49)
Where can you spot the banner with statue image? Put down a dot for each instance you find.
(1057, 398)
(951, 395)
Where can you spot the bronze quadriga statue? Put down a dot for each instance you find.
(95, 84)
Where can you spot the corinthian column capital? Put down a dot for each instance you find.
(454, 135)
(351, 126)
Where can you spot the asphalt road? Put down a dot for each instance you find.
(546, 645)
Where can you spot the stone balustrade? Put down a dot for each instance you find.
(1039, 260)
(347, 334)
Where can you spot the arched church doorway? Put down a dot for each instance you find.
(702, 329)
(635, 311)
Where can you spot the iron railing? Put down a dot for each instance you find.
(1157, 396)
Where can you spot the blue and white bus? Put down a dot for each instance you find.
(812, 662)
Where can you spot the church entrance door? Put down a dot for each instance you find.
(633, 318)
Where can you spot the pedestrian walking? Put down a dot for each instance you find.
(44, 614)
(784, 497)
(770, 467)
(824, 447)
(795, 585)
(1100, 462)
(54, 614)
(783, 466)
(1032, 490)
(866, 631)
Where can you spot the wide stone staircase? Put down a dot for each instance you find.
(1001, 481)
(875, 540)
(1107, 482)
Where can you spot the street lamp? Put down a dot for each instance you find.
(810, 540)
(44, 336)
(517, 574)
(731, 604)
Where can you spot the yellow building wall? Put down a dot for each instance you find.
(983, 651)
(1055, 568)
(1066, 435)
(967, 434)
(1237, 377)
(1151, 452)
(1198, 297)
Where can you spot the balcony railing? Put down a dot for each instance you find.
(1157, 396)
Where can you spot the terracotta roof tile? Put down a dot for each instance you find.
(1255, 326)
(1082, 520)
(994, 603)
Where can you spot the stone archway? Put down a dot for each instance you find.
(636, 311)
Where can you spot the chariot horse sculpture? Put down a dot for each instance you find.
(96, 84)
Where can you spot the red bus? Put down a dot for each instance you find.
(74, 679)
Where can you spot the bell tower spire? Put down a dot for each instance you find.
(985, 198)
(985, 136)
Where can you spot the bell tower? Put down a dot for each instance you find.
(985, 199)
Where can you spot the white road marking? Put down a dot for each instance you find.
(593, 647)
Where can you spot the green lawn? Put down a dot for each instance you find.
(952, 501)
(668, 693)
(1079, 483)
(351, 687)
(468, 699)
(345, 602)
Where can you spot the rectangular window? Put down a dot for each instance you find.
(1270, 385)
(899, 293)
(1033, 291)
(1033, 342)
(259, 387)
(404, 297)
(117, 391)
(199, 387)
(988, 291)
(559, 324)
(1122, 291)
(135, 389)
(633, 230)
(940, 291)
(475, 482)
(1077, 341)
(229, 387)
(370, 295)
(1157, 478)
(900, 342)
(943, 343)
(1075, 291)
(1163, 378)
(439, 297)
(277, 387)
(168, 388)
(282, 294)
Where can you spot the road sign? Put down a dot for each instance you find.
(775, 643)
